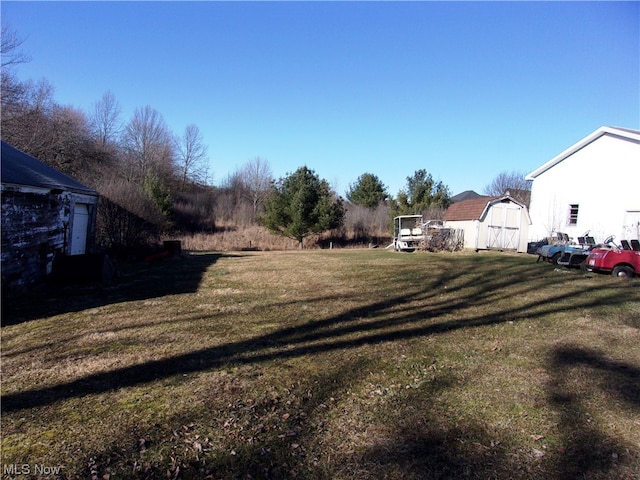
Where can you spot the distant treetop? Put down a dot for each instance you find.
(368, 191)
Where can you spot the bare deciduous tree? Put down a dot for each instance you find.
(512, 182)
(257, 177)
(10, 47)
(192, 155)
(105, 119)
(26, 118)
(126, 217)
(148, 144)
(366, 224)
(11, 55)
(231, 202)
(70, 138)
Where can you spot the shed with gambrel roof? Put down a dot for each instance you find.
(490, 223)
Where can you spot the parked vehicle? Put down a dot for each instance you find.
(623, 262)
(407, 232)
(576, 256)
(534, 247)
(561, 251)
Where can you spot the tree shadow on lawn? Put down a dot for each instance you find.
(140, 281)
(273, 437)
(428, 448)
(284, 437)
(425, 451)
(575, 373)
(406, 316)
(424, 444)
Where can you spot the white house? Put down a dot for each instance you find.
(594, 185)
(499, 223)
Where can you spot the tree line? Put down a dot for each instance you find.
(154, 181)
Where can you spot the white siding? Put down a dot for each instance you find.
(602, 178)
(504, 227)
(470, 228)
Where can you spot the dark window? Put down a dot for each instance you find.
(573, 214)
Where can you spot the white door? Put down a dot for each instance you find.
(79, 229)
(504, 227)
(511, 232)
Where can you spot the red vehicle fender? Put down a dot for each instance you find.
(622, 263)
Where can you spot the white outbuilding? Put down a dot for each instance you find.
(491, 223)
(594, 185)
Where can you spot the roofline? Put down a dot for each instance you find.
(40, 176)
(494, 200)
(89, 192)
(491, 201)
(510, 197)
(618, 132)
(23, 186)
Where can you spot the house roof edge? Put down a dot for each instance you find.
(617, 131)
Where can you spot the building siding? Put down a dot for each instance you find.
(33, 230)
(38, 204)
(36, 225)
(602, 178)
(490, 223)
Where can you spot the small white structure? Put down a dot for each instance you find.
(594, 185)
(490, 223)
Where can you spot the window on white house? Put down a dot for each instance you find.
(573, 214)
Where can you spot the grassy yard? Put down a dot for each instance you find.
(323, 364)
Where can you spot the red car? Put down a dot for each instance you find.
(620, 262)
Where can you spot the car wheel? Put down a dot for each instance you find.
(622, 271)
(555, 258)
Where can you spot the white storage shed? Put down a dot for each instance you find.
(491, 223)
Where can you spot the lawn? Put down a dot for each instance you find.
(326, 364)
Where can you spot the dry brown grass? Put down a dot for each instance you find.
(231, 238)
(328, 364)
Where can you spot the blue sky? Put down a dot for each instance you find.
(464, 90)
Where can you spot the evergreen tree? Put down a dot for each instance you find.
(302, 204)
(368, 191)
(422, 193)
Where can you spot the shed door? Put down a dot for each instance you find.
(504, 227)
(79, 229)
